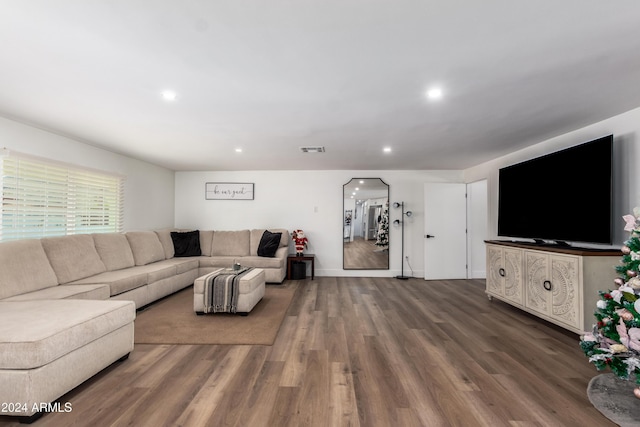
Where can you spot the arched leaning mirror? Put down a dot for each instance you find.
(365, 224)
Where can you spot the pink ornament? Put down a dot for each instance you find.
(630, 222)
(627, 316)
(632, 273)
(636, 392)
(625, 250)
(619, 281)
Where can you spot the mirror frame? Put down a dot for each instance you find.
(344, 211)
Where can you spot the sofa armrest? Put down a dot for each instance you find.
(282, 253)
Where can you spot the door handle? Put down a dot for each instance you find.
(429, 236)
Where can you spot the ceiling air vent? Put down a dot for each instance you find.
(312, 149)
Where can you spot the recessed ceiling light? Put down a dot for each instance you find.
(434, 93)
(169, 95)
(361, 182)
(238, 150)
(387, 149)
(357, 188)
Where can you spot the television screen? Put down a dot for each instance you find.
(564, 196)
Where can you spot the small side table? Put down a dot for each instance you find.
(303, 257)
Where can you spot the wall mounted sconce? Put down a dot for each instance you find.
(401, 222)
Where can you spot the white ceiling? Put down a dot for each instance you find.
(349, 75)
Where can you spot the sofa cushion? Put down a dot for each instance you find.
(167, 244)
(186, 243)
(184, 264)
(73, 257)
(217, 261)
(160, 270)
(260, 262)
(256, 236)
(230, 243)
(146, 247)
(269, 244)
(65, 292)
(114, 250)
(206, 237)
(35, 334)
(25, 268)
(119, 281)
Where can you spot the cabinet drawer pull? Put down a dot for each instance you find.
(501, 272)
(547, 285)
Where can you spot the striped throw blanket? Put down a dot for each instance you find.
(221, 290)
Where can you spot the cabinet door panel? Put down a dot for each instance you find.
(536, 267)
(495, 281)
(565, 293)
(513, 275)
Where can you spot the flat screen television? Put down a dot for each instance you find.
(565, 196)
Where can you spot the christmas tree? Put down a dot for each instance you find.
(615, 340)
(383, 227)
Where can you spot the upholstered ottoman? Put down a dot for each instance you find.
(251, 288)
(48, 347)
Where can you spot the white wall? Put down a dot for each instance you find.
(149, 189)
(625, 129)
(311, 201)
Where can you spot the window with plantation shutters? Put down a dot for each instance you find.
(43, 198)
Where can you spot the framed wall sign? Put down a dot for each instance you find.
(229, 190)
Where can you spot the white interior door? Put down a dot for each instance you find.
(445, 227)
(476, 229)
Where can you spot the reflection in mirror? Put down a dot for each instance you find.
(365, 224)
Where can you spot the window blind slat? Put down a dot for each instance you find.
(41, 199)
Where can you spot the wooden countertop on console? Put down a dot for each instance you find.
(571, 250)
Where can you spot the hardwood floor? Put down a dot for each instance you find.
(357, 352)
(364, 254)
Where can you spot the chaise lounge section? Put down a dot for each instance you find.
(50, 347)
(53, 337)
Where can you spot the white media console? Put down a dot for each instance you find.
(558, 284)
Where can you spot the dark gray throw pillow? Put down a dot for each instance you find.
(186, 243)
(269, 244)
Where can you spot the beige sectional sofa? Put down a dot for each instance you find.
(67, 304)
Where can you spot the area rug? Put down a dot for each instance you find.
(173, 321)
(614, 398)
